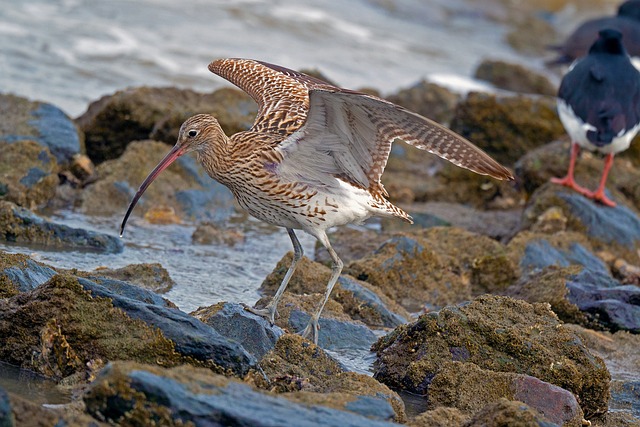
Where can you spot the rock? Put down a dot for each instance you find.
(499, 334)
(414, 175)
(299, 370)
(19, 225)
(469, 388)
(350, 244)
(351, 299)
(197, 397)
(231, 320)
(427, 99)
(497, 224)
(59, 329)
(435, 267)
(6, 414)
(507, 127)
(514, 77)
(439, 417)
(185, 188)
(28, 413)
(143, 113)
(207, 233)
(149, 276)
(192, 338)
(45, 124)
(625, 396)
(19, 273)
(511, 413)
(616, 230)
(28, 173)
(336, 334)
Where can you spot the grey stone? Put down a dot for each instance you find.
(372, 300)
(28, 276)
(6, 414)
(336, 334)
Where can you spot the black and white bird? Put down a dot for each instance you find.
(627, 21)
(599, 106)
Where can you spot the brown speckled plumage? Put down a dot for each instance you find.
(314, 156)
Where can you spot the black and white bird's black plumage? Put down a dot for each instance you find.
(627, 22)
(599, 105)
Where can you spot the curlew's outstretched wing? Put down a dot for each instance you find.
(349, 135)
(282, 94)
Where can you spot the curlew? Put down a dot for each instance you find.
(313, 157)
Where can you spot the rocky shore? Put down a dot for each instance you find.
(505, 304)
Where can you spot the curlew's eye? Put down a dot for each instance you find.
(192, 133)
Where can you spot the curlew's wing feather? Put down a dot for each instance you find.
(282, 94)
(349, 135)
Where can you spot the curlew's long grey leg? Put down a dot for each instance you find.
(311, 331)
(269, 312)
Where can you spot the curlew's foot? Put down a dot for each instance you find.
(599, 196)
(311, 331)
(568, 181)
(269, 312)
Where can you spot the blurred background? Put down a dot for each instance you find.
(71, 52)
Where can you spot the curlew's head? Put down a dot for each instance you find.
(196, 133)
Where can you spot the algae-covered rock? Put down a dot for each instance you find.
(150, 276)
(507, 127)
(19, 225)
(184, 188)
(45, 124)
(59, 328)
(28, 413)
(439, 417)
(435, 267)
(514, 77)
(427, 99)
(28, 173)
(499, 334)
(133, 394)
(297, 366)
(469, 388)
(143, 113)
(507, 413)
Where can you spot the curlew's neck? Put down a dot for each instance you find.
(214, 156)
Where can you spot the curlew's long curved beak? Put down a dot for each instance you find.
(171, 156)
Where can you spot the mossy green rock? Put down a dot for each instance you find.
(157, 113)
(507, 127)
(427, 99)
(514, 77)
(59, 329)
(496, 333)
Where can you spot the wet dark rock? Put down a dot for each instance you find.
(6, 414)
(499, 334)
(112, 288)
(354, 301)
(616, 230)
(511, 413)
(46, 124)
(19, 225)
(427, 99)
(514, 77)
(191, 337)
(507, 127)
(303, 372)
(184, 395)
(149, 276)
(469, 388)
(435, 267)
(185, 189)
(336, 334)
(19, 273)
(233, 321)
(29, 173)
(143, 113)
